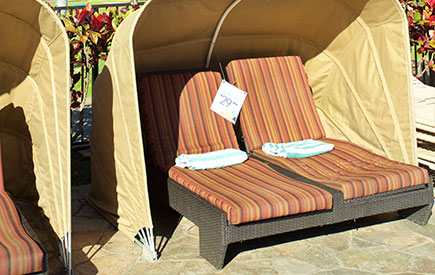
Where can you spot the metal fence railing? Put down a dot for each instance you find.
(97, 6)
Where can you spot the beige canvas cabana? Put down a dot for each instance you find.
(356, 54)
(35, 111)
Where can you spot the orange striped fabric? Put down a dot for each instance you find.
(280, 101)
(352, 170)
(279, 106)
(159, 100)
(252, 191)
(200, 129)
(19, 254)
(247, 192)
(168, 135)
(2, 186)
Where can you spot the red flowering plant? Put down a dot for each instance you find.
(90, 35)
(421, 21)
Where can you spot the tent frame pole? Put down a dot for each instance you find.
(218, 28)
(66, 252)
(146, 240)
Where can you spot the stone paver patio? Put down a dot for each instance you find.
(378, 245)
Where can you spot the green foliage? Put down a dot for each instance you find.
(90, 34)
(421, 21)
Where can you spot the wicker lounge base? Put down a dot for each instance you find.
(216, 233)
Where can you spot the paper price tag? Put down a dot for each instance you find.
(228, 101)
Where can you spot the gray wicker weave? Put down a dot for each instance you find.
(216, 233)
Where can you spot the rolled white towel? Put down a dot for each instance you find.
(211, 160)
(297, 149)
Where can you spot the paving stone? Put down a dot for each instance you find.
(392, 235)
(87, 224)
(338, 242)
(86, 211)
(110, 264)
(424, 250)
(344, 271)
(82, 239)
(427, 231)
(157, 268)
(181, 248)
(320, 256)
(87, 253)
(198, 267)
(360, 243)
(432, 218)
(255, 254)
(422, 265)
(119, 242)
(79, 192)
(250, 267)
(292, 248)
(76, 205)
(55, 265)
(377, 259)
(293, 266)
(183, 228)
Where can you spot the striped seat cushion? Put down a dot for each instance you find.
(352, 170)
(279, 107)
(252, 191)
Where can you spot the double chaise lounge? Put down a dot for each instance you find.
(265, 195)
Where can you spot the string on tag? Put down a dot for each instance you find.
(222, 71)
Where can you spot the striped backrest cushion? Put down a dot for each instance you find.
(164, 131)
(279, 106)
(19, 254)
(200, 129)
(2, 186)
(158, 103)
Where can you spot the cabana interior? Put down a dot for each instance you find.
(357, 58)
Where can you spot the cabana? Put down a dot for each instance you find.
(356, 57)
(35, 112)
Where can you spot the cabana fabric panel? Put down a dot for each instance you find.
(119, 187)
(355, 74)
(35, 108)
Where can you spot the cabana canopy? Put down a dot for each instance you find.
(356, 54)
(35, 109)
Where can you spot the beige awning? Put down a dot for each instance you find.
(356, 54)
(35, 109)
